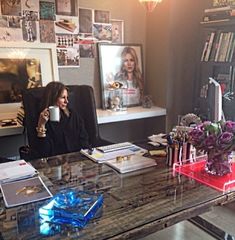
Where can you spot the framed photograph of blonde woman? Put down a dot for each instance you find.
(121, 70)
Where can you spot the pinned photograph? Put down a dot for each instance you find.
(85, 20)
(12, 8)
(47, 31)
(68, 57)
(66, 25)
(66, 7)
(30, 15)
(117, 31)
(101, 16)
(102, 32)
(66, 40)
(29, 29)
(87, 50)
(30, 5)
(11, 34)
(47, 10)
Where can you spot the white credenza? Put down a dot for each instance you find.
(133, 113)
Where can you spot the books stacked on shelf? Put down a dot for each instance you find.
(219, 47)
(219, 14)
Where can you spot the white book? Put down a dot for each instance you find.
(219, 47)
(208, 51)
(15, 170)
(100, 157)
(218, 9)
(134, 163)
(229, 46)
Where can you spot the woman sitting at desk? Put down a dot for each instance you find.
(66, 135)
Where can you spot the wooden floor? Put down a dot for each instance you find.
(222, 217)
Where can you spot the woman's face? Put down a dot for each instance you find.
(62, 101)
(129, 63)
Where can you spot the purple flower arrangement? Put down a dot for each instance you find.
(219, 136)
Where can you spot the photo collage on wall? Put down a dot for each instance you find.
(74, 30)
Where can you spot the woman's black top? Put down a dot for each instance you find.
(67, 135)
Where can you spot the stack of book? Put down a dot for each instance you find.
(219, 47)
(219, 14)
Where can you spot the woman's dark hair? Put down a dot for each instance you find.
(52, 92)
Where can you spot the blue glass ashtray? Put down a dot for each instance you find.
(73, 207)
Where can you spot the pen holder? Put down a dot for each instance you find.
(180, 153)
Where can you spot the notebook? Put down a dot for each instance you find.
(24, 191)
(133, 163)
(100, 157)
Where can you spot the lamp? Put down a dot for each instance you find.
(150, 4)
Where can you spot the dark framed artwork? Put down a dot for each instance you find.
(66, 7)
(121, 68)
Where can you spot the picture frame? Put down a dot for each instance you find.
(121, 69)
(117, 31)
(101, 16)
(44, 52)
(66, 7)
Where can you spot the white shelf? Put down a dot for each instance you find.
(11, 130)
(132, 113)
(104, 116)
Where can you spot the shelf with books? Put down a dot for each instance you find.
(217, 60)
(219, 46)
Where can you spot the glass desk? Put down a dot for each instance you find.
(135, 204)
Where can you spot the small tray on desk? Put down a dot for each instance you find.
(196, 171)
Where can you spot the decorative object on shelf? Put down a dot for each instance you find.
(150, 4)
(147, 101)
(116, 96)
(218, 141)
(189, 120)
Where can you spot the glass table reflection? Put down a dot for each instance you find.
(135, 204)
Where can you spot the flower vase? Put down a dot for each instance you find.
(218, 163)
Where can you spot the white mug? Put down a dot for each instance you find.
(54, 113)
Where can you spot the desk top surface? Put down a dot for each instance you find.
(135, 204)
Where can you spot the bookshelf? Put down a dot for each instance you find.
(217, 60)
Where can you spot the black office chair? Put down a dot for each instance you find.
(81, 99)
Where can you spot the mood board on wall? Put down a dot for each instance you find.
(74, 30)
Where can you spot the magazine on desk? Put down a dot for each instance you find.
(131, 163)
(24, 191)
(100, 157)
